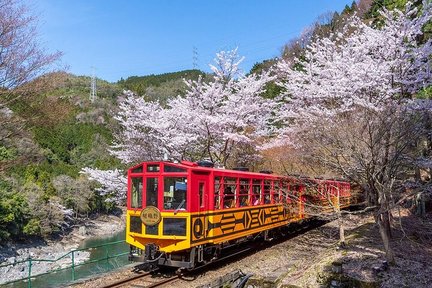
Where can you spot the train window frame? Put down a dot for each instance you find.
(173, 169)
(229, 187)
(256, 191)
(137, 170)
(293, 192)
(267, 190)
(217, 186)
(153, 168)
(201, 194)
(276, 191)
(138, 204)
(182, 201)
(152, 229)
(244, 192)
(283, 186)
(174, 226)
(155, 191)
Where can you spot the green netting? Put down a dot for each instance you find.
(112, 254)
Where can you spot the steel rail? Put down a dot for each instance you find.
(126, 280)
(161, 282)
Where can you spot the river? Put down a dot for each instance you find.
(103, 258)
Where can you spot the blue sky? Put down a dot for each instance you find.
(135, 38)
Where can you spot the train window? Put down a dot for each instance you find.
(293, 198)
(330, 190)
(325, 190)
(136, 193)
(169, 168)
(338, 190)
(152, 192)
(135, 224)
(322, 190)
(256, 192)
(276, 192)
(293, 192)
(152, 230)
(201, 194)
(175, 193)
(174, 226)
(310, 188)
(153, 168)
(217, 187)
(267, 189)
(287, 188)
(230, 185)
(244, 192)
(343, 190)
(283, 190)
(138, 169)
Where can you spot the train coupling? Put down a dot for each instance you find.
(150, 253)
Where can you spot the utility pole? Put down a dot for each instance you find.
(93, 89)
(195, 57)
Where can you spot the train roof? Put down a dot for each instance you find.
(194, 166)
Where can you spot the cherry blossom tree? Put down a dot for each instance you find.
(113, 182)
(347, 102)
(208, 122)
(361, 67)
(216, 119)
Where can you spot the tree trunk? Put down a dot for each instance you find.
(387, 219)
(340, 221)
(383, 229)
(341, 231)
(420, 205)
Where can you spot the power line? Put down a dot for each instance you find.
(93, 88)
(195, 57)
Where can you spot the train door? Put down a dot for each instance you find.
(201, 199)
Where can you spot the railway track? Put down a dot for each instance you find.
(149, 279)
(144, 280)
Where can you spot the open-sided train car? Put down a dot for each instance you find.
(182, 214)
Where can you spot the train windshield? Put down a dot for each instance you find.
(136, 193)
(152, 191)
(159, 185)
(175, 189)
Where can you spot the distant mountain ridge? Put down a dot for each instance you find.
(161, 86)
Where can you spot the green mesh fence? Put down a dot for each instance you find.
(104, 257)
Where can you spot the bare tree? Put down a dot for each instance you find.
(319, 198)
(372, 149)
(21, 56)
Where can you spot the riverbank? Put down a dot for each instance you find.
(10, 253)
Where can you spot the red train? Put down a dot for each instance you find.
(184, 214)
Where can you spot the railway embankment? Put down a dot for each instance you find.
(12, 252)
(314, 259)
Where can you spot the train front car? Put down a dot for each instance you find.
(158, 214)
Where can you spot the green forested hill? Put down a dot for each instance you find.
(48, 136)
(160, 87)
